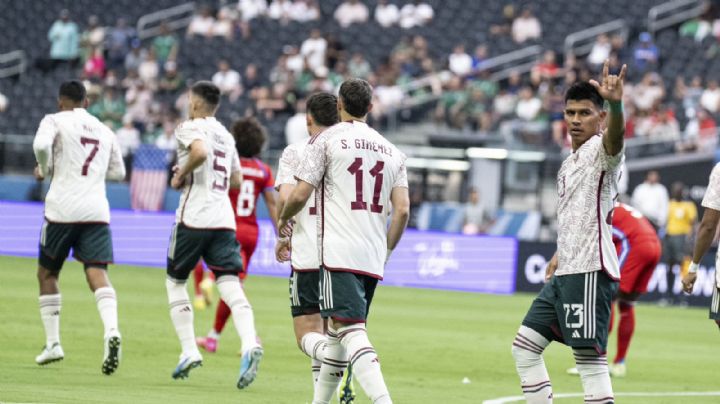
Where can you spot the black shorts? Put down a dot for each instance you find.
(91, 244)
(715, 304)
(304, 293)
(218, 248)
(574, 309)
(346, 296)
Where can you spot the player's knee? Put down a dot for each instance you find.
(625, 304)
(524, 357)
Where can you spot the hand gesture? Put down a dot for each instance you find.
(688, 281)
(177, 181)
(611, 88)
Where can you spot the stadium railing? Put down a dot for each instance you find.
(174, 17)
(581, 42)
(668, 14)
(12, 63)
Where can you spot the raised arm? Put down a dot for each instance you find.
(611, 89)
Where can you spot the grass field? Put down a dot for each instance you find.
(428, 342)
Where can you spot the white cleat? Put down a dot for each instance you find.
(49, 355)
(186, 364)
(111, 358)
(618, 370)
(572, 371)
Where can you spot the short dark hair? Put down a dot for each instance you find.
(250, 136)
(323, 109)
(583, 90)
(73, 90)
(356, 95)
(209, 92)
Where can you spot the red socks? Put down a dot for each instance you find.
(626, 327)
(198, 277)
(221, 316)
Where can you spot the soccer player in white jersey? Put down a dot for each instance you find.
(574, 305)
(361, 179)
(79, 152)
(309, 326)
(703, 240)
(208, 165)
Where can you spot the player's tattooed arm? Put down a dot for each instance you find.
(703, 240)
(611, 89)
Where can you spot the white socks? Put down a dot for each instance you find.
(233, 295)
(181, 313)
(527, 350)
(313, 344)
(50, 315)
(364, 361)
(106, 300)
(593, 369)
(331, 372)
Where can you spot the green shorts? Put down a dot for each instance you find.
(304, 293)
(218, 248)
(346, 296)
(91, 244)
(574, 309)
(715, 304)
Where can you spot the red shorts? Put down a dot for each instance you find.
(639, 266)
(248, 238)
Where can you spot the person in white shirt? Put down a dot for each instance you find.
(250, 9)
(280, 10)
(78, 153)
(582, 277)
(296, 126)
(313, 50)
(362, 180)
(652, 200)
(710, 98)
(600, 50)
(526, 27)
(202, 24)
(415, 14)
(459, 62)
(386, 14)
(351, 12)
(305, 10)
(228, 81)
(208, 165)
(528, 106)
(129, 140)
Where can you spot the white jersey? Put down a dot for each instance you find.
(355, 170)
(711, 200)
(204, 203)
(587, 187)
(304, 256)
(80, 152)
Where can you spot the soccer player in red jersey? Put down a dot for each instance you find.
(250, 137)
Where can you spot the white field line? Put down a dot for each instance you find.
(517, 399)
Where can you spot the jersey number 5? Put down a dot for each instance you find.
(96, 145)
(376, 171)
(221, 169)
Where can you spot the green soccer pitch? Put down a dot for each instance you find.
(428, 342)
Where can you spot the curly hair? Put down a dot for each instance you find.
(250, 137)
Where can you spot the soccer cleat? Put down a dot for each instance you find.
(249, 366)
(572, 371)
(347, 390)
(206, 287)
(111, 359)
(207, 343)
(186, 364)
(49, 355)
(618, 370)
(199, 302)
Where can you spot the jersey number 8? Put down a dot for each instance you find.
(246, 199)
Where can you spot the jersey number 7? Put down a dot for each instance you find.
(93, 152)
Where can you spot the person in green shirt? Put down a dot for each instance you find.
(165, 45)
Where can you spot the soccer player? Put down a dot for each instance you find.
(574, 305)
(304, 280)
(205, 228)
(638, 249)
(250, 137)
(361, 179)
(79, 153)
(703, 240)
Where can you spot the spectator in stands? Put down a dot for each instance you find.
(224, 25)
(649, 92)
(697, 28)
(546, 68)
(202, 24)
(296, 126)
(646, 54)
(459, 62)
(526, 27)
(129, 138)
(689, 94)
(505, 26)
(528, 106)
(386, 14)
(700, 132)
(388, 96)
(136, 55)
(92, 37)
(94, 66)
(504, 104)
(651, 199)
(335, 50)
(250, 9)
(172, 80)
(415, 14)
(64, 40)
(664, 125)
(294, 62)
(110, 108)
(228, 81)
(119, 41)
(448, 108)
(149, 70)
(280, 10)
(710, 98)
(474, 220)
(305, 10)
(138, 99)
(600, 52)
(359, 67)
(313, 50)
(165, 45)
(351, 12)
(479, 57)
(251, 79)
(167, 141)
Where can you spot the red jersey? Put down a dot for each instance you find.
(629, 224)
(257, 177)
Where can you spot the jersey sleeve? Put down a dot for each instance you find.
(44, 139)
(313, 162)
(116, 166)
(712, 194)
(611, 162)
(235, 162)
(401, 181)
(186, 134)
(286, 167)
